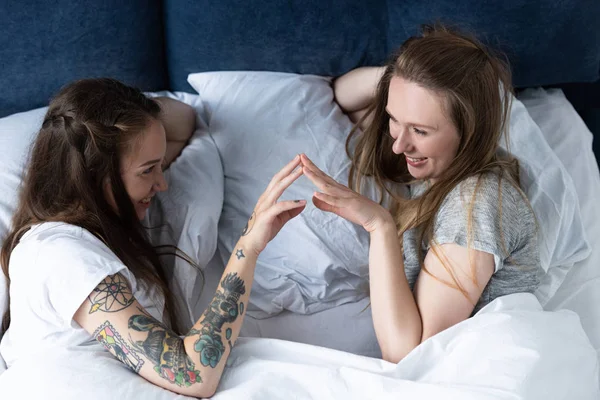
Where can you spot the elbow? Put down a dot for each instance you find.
(205, 389)
(396, 354)
(396, 350)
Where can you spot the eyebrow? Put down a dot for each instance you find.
(147, 163)
(421, 125)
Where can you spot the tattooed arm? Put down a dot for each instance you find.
(192, 365)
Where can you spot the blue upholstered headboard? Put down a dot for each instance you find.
(154, 44)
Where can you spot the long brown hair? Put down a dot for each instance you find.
(89, 125)
(475, 87)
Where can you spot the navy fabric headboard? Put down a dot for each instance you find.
(46, 44)
(155, 44)
(548, 42)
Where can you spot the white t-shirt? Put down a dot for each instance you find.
(52, 271)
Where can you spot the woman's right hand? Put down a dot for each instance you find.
(269, 215)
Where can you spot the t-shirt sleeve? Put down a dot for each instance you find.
(73, 267)
(497, 222)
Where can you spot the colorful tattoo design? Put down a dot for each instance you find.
(111, 295)
(223, 309)
(165, 349)
(249, 224)
(112, 341)
(240, 254)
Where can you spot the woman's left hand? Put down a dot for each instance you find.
(340, 200)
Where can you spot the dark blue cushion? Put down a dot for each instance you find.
(309, 36)
(46, 44)
(547, 41)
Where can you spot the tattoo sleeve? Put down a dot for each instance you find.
(165, 349)
(114, 343)
(111, 295)
(224, 309)
(162, 347)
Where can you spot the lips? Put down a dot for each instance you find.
(145, 202)
(415, 162)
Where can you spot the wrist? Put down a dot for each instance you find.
(248, 247)
(383, 223)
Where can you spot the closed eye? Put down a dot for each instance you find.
(419, 131)
(391, 118)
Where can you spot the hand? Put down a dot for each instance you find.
(340, 200)
(270, 216)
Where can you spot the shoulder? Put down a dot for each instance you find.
(60, 245)
(488, 202)
(490, 190)
(63, 238)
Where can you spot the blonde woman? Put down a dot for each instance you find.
(464, 233)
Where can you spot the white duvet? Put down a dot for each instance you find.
(512, 349)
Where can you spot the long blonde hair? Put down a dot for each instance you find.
(475, 86)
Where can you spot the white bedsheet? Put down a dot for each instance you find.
(512, 349)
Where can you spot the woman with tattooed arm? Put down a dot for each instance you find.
(78, 260)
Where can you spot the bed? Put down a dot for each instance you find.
(308, 332)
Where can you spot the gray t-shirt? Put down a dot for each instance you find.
(502, 225)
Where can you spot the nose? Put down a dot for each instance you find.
(161, 183)
(401, 142)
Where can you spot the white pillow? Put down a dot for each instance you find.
(260, 120)
(17, 132)
(186, 215)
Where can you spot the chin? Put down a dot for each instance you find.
(141, 214)
(419, 175)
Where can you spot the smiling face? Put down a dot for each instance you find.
(141, 168)
(421, 130)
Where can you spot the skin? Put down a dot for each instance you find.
(190, 365)
(153, 151)
(421, 130)
(142, 168)
(193, 364)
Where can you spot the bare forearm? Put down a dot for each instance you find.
(179, 121)
(355, 90)
(395, 314)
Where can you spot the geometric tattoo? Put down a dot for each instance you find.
(111, 295)
(165, 349)
(224, 309)
(112, 341)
